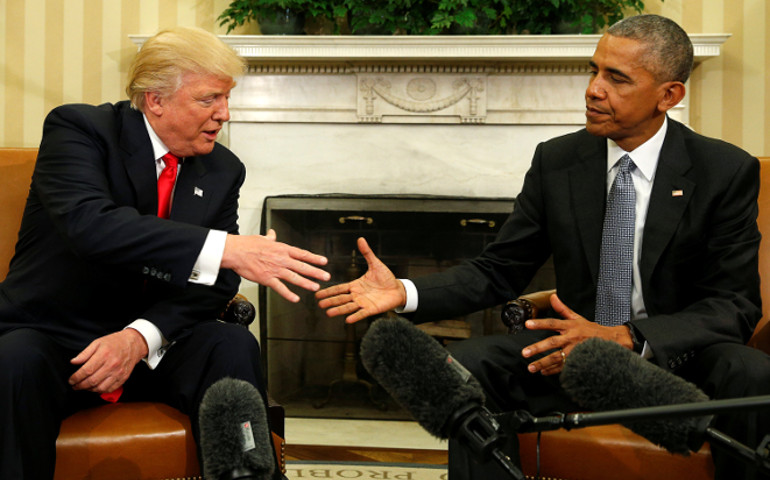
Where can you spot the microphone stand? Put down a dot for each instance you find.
(477, 430)
(524, 422)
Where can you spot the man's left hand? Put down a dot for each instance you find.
(572, 329)
(108, 361)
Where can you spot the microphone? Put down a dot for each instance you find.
(602, 375)
(442, 396)
(235, 439)
(624, 388)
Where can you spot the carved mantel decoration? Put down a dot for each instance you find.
(445, 95)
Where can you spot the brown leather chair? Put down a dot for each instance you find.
(131, 441)
(611, 452)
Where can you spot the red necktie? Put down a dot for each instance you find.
(112, 396)
(166, 184)
(165, 187)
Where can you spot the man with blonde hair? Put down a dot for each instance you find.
(128, 250)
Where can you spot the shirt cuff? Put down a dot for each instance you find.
(206, 268)
(154, 339)
(411, 296)
(646, 351)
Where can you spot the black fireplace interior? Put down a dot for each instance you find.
(311, 360)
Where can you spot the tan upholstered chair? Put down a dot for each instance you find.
(129, 441)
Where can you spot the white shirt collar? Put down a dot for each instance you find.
(158, 147)
(645, 156)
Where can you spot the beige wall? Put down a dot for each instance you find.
(57, 51)
(60, 51)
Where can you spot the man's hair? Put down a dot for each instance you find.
(170, 54)
(670, 53)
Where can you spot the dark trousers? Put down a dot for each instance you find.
(35, 395)
(721, 371)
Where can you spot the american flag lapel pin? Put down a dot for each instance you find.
(198, 192)
(677, 193)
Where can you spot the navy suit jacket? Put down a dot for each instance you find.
(92, 255)
(699, 260)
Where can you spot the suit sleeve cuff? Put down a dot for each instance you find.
(206, 268)
(411, 296)
(154, 339)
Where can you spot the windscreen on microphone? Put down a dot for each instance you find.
(602, 375)
(419, 374)
(235, 439)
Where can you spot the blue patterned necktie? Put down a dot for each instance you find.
(613, 293)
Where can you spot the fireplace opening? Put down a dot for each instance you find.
(312, 363)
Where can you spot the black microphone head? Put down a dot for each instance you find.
(602, 375)
(235, 439)
(419, 373)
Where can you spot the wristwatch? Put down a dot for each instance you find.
(638, 344)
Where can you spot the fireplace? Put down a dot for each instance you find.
(311, 360)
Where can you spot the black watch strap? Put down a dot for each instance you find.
(638, 343)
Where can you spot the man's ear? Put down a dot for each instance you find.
(153, 103)
(673, 93)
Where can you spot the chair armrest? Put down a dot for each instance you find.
(761, 337)
(277, 416)
(240, 311)
(531, 305)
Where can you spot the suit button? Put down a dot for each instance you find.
(153, 272)
(145, 270)
(167, 277)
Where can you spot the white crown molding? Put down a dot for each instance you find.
(258, 48)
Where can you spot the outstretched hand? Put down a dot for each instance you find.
(377, 291)
(572, 329)
(263, 260)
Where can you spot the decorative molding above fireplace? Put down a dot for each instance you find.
(260, 48)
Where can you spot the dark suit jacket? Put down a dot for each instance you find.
(699, 259)
(92, 256)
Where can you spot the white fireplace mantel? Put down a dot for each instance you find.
(504, 80)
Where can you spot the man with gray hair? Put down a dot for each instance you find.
(652, 229)
(129, 250)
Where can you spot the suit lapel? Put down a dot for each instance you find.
(587, 182)
(190, 199)
(671, 192)
(139, 161)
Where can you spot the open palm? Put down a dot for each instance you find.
(377, 291)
